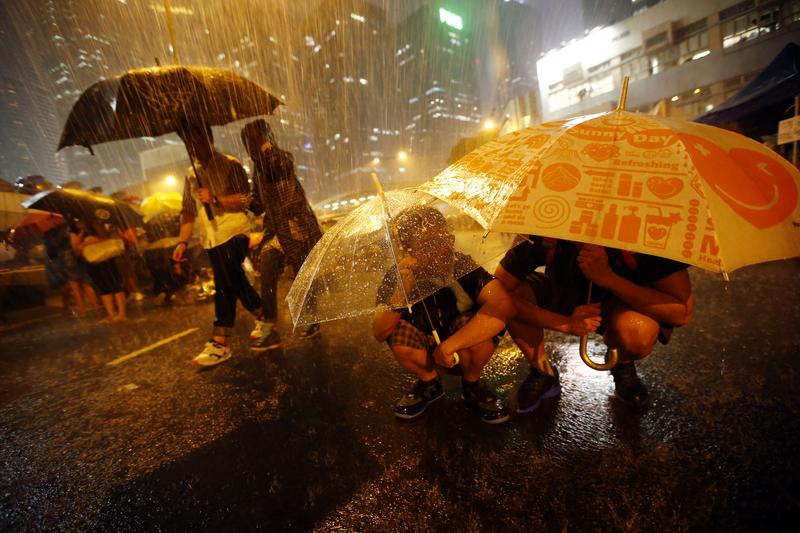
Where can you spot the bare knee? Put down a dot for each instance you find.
(634, 334)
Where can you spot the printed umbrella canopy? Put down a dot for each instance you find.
(681, 190)
(655, 185)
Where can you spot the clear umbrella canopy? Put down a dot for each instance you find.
(345, 271)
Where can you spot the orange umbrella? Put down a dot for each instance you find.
(655, 185)
(660, 186)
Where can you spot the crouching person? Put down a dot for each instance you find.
(469, 313)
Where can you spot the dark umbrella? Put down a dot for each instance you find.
(153, 101)
(86, 206)
(149, 102)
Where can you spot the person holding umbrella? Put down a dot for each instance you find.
(470, 311)
(288, 218)
(217, 183)
(640, 299)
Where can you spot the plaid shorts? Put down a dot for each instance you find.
(405, 334)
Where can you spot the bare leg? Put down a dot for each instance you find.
(119, 298)
(91, 296)
(475, 358)
(416, 361)
(108, 303)
(75, 288)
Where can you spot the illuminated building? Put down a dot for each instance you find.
(686, 54)
(437, 80)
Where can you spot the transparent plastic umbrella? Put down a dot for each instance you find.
(343, 274)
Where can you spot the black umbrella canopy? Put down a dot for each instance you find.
(86, 206)
(153, 101)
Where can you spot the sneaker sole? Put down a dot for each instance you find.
(205, 365)
(265, 348)
(630, 403)
(501, 420)
(409, 417)
(551, 393)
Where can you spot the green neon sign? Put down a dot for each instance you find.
(450, 18)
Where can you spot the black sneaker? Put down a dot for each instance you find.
(481, 399)
(309, 332)
(422, 394)
(536, 388)
(627, 385)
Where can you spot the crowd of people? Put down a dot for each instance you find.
(638, 300)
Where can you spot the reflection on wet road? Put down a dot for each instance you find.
(303, 437)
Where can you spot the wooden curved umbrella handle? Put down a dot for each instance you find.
(611, 358)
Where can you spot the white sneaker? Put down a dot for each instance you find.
(258, 330)
(213, 354)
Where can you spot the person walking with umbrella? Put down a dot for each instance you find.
(217, 183)
(288, 218)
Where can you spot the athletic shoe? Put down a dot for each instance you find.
(213, 354)
(422, 394)
(310, 332)
(536, 388)
(627, 385)
(270, 339)
(259, 329)
(481, 399)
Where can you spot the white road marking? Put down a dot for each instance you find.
(140, 351)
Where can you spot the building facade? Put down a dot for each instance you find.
(685, 55)
(438, 91)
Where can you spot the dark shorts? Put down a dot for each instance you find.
(563, 301)
(405, 334)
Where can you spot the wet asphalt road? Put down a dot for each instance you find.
(303, 438)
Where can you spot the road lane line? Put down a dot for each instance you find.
(140, 351)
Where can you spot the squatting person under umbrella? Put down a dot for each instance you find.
(470, 311)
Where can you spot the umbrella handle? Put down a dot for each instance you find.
(611, 358)
(456, 358)
(209, 211)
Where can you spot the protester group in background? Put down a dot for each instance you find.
(66, 270)
(100, 246)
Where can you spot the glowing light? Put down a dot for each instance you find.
(675, 98)
(489, 124)
(376, 161)
(697, 91)
(450, 18)
(402, 156)
(170, 180)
